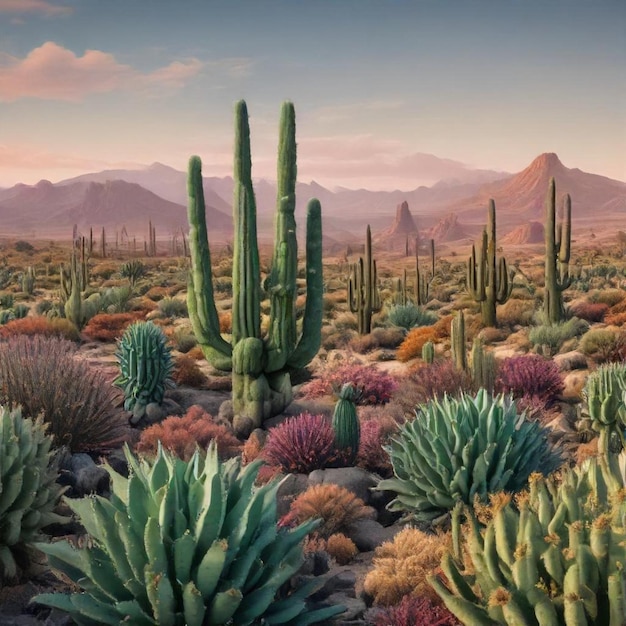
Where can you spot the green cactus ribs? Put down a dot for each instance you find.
(260, 365)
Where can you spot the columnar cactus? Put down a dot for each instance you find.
(482, 366)
(422, 283)
(558, 240)
(457, 341)
(346, 424)
(488, 279)
(363, 292)
(260, 367)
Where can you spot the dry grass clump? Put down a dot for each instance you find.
(341, 548)
(187, 373)
(516, 312)
(611, 297)
(411, 347)
(336, 506)
(42, 326)
(182, 435)
(401, 566)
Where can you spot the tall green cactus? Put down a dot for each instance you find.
(422, 283)
(363, 293)
(558, 240)
(260, 367)
(488, 279)
(457, 341)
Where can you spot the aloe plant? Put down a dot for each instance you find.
(456, 449)
(185, 544)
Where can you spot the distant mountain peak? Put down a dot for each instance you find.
(548, 161)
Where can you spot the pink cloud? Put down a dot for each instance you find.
(56, 73)
(33, 6)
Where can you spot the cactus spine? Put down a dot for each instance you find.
(558, 240)
(260, 368)
(488, 279)
(422, 283)
(363, 293)
(346, 425)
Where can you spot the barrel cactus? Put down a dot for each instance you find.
(28, 488)
(456, 449)
(346, 424)
(146, 366)
(185, 544)
(556, 557)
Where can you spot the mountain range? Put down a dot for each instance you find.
(115, 199)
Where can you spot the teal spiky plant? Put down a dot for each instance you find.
(456, 449)
(28, 488)
(146, 366)
(346, 424)
(260, 366)
(185, 544)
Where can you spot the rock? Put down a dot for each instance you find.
(84, 476)
(379, 500)
(354, 479)
(117, 460)
(368, 534)
(355, 608)
(291, 487)
(156, 412)
(569, 361)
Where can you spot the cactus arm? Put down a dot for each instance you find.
(311, 337)
(565, 245)
(200, 298)
(475, 281)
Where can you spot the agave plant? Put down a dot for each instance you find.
(185, 544)
(146, 366)
(456, 449)
(555, 558)
(28, 488)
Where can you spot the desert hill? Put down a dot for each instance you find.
(531, 232)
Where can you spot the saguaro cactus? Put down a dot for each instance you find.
(558, 240)
(422, 283)
(488, 280)
(363, 293)
(260, 367)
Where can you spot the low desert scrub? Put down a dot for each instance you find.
(226, 322)
(156, 293)
(401, 567)
(336, 506)
(611, 297)
(183, 435)
(615, 319)
(516, 312)
(109, 326)
(333, 339)
(187, 373)
(409, 316)
(530, 376)
(589, 311)
(183, 339)
(43, 326)
(301, 444)
(411, 611)
(78, 402)
(345, 321)
(412, 345)
(172, 307)
(604, 345)
(375, 434)
(383, 337)
(491, 335)
(341, 548)
(375, 386)
(550, 338)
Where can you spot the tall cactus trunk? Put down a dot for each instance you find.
(363, 293)
(558, 244)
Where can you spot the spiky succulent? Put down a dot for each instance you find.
(28, 488)
(556, 558)
(146, 366)
(346, 424)
(184, 544)
(456, 449)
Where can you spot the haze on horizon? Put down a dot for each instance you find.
(86, 86)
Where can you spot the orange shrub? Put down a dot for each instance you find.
(442, 327)
(156, 293)
(41, 325)
(226, 322)
(110, 326)
(341, 548)
(187, 373)
(196, 353)
(615, 319)
(181, 436)
(411, 347)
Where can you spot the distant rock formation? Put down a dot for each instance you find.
(531, 232)
(447, 229)
(401, 233)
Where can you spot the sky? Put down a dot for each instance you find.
(87, 85)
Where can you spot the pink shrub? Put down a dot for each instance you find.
(372, 457)
(412, 611)
(375, 386)
(531, 376)
(590, 311)
(301, 444)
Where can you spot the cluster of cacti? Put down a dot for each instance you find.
(558, 239)
(28, 488)
(146, 366)
(363, 290)
(260, 368)
(456, 449)
(74, 281)
(482, 366)
(422, 283)
(184, 544)
(150, 245)
(27, 280)
(346, 424)
(488, 279)
(604, 393)
(133, 270)
(557, 557)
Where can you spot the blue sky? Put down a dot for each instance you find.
(88, 84)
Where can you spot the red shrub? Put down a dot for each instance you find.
(301, 444)
(110, 326)
(590, 311)
(374, 435)
(187, 372)
(182, 435)
(375, 386)
(412, 611)
(41, 325)
(530, 375)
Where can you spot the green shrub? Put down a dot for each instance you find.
(456, 449)
(171, 307)
(133, 271)
(550, 338)
(185, 544)
(409, 316)
(28, 489)
(598, 343)
(146, 366)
